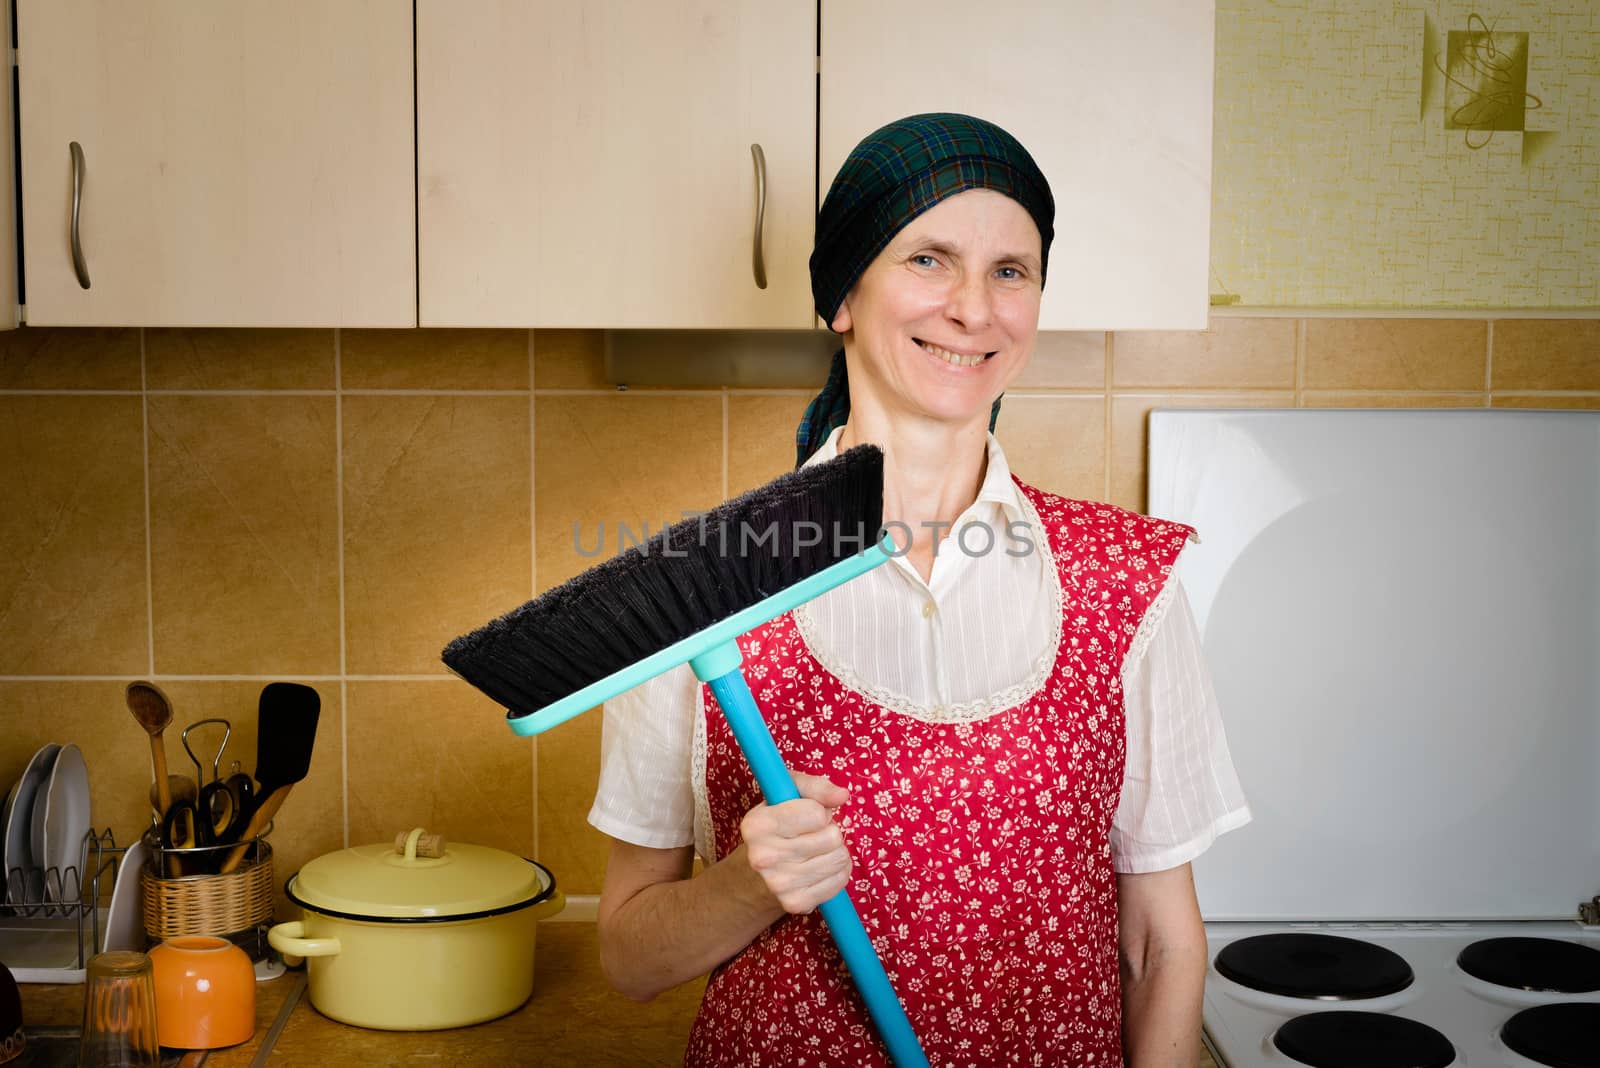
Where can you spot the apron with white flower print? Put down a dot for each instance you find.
(982, 863)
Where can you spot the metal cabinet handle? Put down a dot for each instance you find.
(78, 264)
(759, 264)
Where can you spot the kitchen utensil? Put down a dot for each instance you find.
(372, 916)
(60, 825)
(25, 880)
(214, 808)
(242, 789)
(684, 596)
(154, 712)
(12, 1037)
(205, 992)
(122, 918)
(286, 732)
(119, 1012)
(179, 788)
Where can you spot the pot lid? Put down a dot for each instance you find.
(382, 882)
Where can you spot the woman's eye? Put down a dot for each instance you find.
(1010, 274)
(922, 259)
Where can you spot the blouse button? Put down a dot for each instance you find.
(927, 610)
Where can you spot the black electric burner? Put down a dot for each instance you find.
(1562, 1036)
(1343, 1039)
(1320, 966)
(1546, 965)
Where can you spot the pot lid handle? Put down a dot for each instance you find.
(417, 842)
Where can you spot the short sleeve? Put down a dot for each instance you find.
(646, 796)
(1179, 788)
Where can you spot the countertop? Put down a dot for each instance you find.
(573, 1018)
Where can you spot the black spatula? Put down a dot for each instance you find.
(286, 732)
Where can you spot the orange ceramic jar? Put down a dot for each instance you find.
(205, 992)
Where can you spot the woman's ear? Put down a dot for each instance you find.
(841, 319)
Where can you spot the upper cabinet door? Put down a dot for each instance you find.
(589, 164)
(240, 164)
(1113, 100)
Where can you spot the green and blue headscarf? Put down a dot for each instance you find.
(896, 173)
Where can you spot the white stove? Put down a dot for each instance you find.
(1401, 613)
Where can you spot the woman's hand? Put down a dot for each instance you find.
(796, 847)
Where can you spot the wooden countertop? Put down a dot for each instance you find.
(573, 1018)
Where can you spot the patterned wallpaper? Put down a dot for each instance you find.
(1381, 154)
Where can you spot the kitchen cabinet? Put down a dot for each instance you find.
(242, 164)
(590, 164)
(1112, 100)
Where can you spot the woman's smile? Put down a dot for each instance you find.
(957, 359)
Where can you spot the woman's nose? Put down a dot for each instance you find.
(970, 302)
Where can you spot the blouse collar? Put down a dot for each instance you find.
(998, 487)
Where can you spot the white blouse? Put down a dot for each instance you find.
(975, 639)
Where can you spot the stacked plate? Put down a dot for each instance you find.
(44, 825)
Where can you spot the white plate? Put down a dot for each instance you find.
(123, 927)
(60, 825)
(21, 882)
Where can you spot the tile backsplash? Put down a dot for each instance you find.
(215, 509)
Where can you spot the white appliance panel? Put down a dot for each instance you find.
(1401, 610)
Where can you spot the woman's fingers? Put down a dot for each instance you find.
(796, 848)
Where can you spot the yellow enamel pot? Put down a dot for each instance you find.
(398, 941)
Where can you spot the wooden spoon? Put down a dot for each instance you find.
(154, 712)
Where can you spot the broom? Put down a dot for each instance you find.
(687, 594)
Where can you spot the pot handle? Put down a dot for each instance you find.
(289, 938)
(546, 908)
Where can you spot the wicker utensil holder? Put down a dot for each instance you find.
(221, 905)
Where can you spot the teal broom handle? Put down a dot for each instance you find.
(777, 785)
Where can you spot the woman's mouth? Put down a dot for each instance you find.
(951, 357)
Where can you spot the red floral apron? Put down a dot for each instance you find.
(982, 862)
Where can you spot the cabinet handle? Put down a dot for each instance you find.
(78, 264)
(759, 264)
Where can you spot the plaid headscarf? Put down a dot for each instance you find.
(895, 174)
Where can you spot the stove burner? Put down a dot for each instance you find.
(1319, 966)
(1546, 965)
(1344, 1039)
(1562, 1036)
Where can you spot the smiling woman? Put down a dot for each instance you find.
(1008, 757)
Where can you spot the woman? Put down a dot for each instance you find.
(1009, 756)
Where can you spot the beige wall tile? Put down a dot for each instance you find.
(433, 359)
(72, 537)
(1431, 354)
(569, 772)
(761, 430)
(244, 534)
(627, 458)
(436, 524)
(311, 821)
(1056, 443)
(1066, 359)
(1547, 400)
(1335, 399)
(53, 357)
(569, 359)
(94, 716)
(1231, 354)
(238, 359)
(437, 754)
(1130, 425)
(1547, 354)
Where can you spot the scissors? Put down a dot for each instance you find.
(220, 807)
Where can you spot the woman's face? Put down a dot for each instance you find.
(945, 317)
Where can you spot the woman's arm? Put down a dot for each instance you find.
(1162, 946)
(658, 927)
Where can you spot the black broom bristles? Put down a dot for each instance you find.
(684, 579)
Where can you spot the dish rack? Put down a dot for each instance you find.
(182, 893)
(52, 920)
